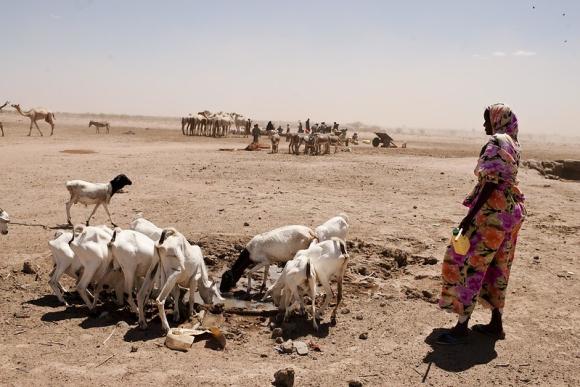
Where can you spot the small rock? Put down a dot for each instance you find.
(29, 268)
(277, 332)
(354, 383)
(284, 377)
(345, 311)
(134, 348)
(359, 317)
(287, 347)
(246, 224)
(427, 293)
(383, 304)
(279, 340)
(263, 355)
(430, 261)
(363, 336)
(301, 348)
(362, 270)
(122, 324)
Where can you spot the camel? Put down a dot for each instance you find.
(97, 125)
(2, 126)
(35, 115)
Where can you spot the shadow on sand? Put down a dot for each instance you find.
(64, 226)
(478, 349)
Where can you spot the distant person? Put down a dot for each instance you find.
(496, 212)
(335, 126)
(287, 128)
(248, 127)
(280, 130)
(270, 126)
(300, 130)
(256, 133)
(308, 125)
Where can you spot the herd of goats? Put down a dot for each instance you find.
(147, 262)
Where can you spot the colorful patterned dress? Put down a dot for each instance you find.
(484, 271)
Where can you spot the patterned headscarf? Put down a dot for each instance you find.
(503, 120)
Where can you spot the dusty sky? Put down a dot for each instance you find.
(428, 64)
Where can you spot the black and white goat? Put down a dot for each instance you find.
(94, 193)
(278, 245)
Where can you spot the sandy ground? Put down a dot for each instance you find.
(405, 199)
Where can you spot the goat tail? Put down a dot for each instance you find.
(342, 245)
(77, 230)
(110, 244)
(114, 263)
(165, 234)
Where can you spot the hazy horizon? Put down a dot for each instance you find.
(417, 64)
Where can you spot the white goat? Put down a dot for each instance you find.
(278, 245)
(321, 262)
(134, 253)
(94, 193)
(334, 227)
(89, 244)
(183, 265)
(4, 220)
(146, 227)
(65, 262)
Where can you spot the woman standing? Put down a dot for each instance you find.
(496, 212)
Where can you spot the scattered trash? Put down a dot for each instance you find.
(314, 346)
(181, 339)
(284, 378)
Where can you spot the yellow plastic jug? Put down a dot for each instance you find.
(460, 242)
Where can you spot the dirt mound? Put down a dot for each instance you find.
(557, 169)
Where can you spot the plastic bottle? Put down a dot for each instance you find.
(460, 242)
